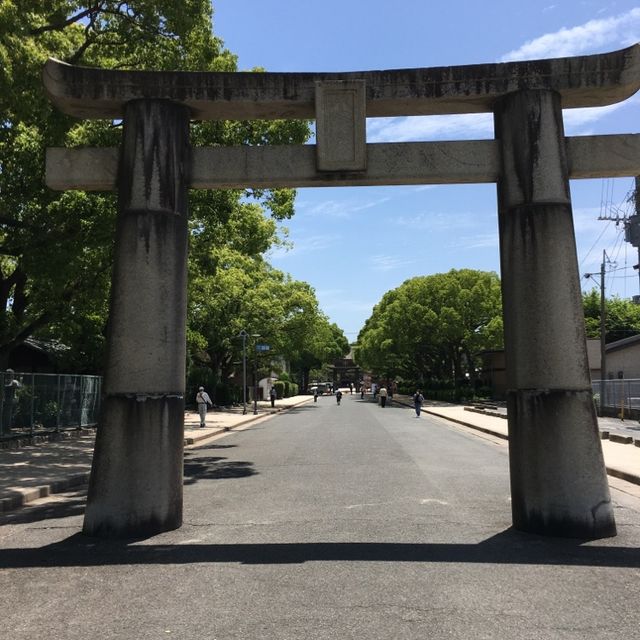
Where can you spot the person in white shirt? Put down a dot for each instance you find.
(203, 401)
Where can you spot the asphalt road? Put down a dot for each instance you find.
(326, 522)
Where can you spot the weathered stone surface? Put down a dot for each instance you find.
(341, 126)
(458, 162)
(135, 488)
(558, 478)
(136, 478)
(558, 482)
(583, 81)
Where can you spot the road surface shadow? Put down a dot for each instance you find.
(214, 467)
(509, 547)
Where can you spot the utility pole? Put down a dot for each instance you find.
(632, 229)
(603, 324)
(603, 348)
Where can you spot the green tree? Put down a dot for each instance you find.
(56, 249)
(431, 327)
(622, 317)
(232, 288)
(320, 344)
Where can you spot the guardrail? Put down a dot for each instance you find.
(40, 403)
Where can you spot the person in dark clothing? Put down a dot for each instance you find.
(338, 396)
(418, 399)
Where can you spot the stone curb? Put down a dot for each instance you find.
(20, 497)
(487, 412)
(497, 434)
(623, 475)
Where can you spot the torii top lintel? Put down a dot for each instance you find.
(582, 81)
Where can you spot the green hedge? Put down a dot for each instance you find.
(285, 388)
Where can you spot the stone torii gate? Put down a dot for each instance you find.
(558, 479)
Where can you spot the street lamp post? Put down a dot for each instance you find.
(255, 375)
(243, 334)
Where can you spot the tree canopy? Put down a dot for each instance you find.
(432, 327)
(622, 317)
(56, 248)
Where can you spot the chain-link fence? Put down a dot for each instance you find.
(34, 403)
(619, 395)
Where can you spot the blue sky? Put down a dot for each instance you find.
(354, 244)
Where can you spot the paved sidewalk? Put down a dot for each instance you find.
(33, 472)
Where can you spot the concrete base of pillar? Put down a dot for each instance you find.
(128, 496)
(558, 478)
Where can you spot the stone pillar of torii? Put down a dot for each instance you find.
(558, 478)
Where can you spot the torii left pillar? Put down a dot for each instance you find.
(137, 474)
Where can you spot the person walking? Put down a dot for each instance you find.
(338, 396)
(9, 400)
(383, 396)
(315, 394)
(418, 399)
(203, 401)
(273, 395)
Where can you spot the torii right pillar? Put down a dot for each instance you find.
(558, 478)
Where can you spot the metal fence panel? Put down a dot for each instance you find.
(619, 393)
(34, 403)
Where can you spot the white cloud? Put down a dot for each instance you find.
(435, 221)
(339, 208)
(617, 30)
(466, 126)
(388, 263)
(576, 118)
(305, 244)
(479, 241)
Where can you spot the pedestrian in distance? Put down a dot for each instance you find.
(203, 401)
(273, 395)
(315, 395)
(418, 399)
(383, 396)
(362, 391)
(9, 400)
(338, 396)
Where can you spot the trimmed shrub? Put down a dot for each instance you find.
(279, 387)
